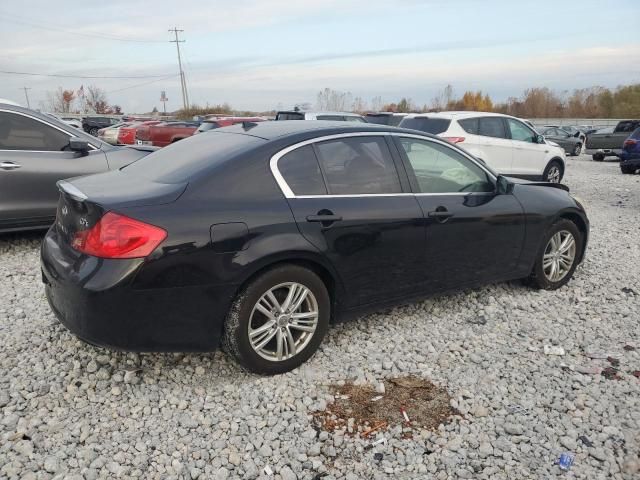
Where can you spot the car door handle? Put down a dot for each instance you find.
(9, 165)
(328, 218)
(441, 214)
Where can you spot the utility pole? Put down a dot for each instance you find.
(26, 94)
(183, 81)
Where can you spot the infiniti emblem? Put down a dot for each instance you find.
(65, 210)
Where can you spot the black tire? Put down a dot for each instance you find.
(235, 340)
(550, 171)
(598, 157)
(93, 131)
(577, 149)
(538, 279)
(627, 170)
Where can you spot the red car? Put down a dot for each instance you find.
(217, 122)
(163, 134)
(127, 135)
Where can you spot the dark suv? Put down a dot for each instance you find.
(93, 124)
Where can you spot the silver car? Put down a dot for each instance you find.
(36, 151)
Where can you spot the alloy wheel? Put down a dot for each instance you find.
(559, 255)
(553, 175)
(283, 321)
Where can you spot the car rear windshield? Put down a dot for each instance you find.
(377, 119)
(426, 124)
(180, 161)
(289, 116)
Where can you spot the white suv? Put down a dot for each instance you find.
(507, 144)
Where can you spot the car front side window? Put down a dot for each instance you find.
(19, 132)
(520, 132)
(441, 169)
(357, 166)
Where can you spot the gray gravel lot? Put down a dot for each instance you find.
(69, 410)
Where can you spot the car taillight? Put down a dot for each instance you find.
(630, 142)
(454, 139)
(118, 236)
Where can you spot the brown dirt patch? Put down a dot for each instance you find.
(426, 405)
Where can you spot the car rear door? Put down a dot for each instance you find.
(495, 143)
(32, 159)
(473, 234)
(352, 203)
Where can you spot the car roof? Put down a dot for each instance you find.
(284, 128)
(457, 115)
(314, 112)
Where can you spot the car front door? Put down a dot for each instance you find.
(473, 234)
(33, 157)
(495, 142)
(350, 202)
(529, 156)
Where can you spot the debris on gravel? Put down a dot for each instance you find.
(70, 410)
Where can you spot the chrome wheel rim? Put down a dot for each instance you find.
(559, 256)
(283, 321)
(577, 150)
(553, 176)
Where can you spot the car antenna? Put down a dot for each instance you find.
(248, 125)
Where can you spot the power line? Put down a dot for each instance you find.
(12, 18)
(183, 81)
(142, 84)
(32, 74)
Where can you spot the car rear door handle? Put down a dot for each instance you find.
(328, 218)
(9, 165)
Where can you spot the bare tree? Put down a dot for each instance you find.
(96, 99)
(335, 100)
(376, 103)
(359, 105)
(60, 100)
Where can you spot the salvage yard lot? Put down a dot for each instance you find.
(84, 412)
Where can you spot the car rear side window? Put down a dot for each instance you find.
(290, 116)
(358, 165)
(378, 119)
(492, 127)
(469, 125)
(300, 170)
(18, 132)
(426, 124)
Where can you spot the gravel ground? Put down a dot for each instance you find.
(69, 410)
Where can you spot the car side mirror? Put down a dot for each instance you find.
(539, 138)
(503, 185)
(80, 145)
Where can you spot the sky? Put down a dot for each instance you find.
(269, 54)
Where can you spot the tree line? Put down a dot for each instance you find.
(93, 99)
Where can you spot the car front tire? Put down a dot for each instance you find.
(577, 149)
(557, 257)
(553, 173)
(278, 320)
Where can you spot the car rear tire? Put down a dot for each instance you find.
(598, 157)
(557, 257)
(553, 172)
(278, 320)
(628, 170)
(577, 150)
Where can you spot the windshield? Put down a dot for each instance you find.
(378, 119)
(426, 124)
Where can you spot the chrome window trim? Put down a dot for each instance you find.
(94, 147)
(288, 193)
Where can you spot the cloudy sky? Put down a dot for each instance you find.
(264, 54)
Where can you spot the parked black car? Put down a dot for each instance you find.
(567, 140)
(260, 236)
(91, 125)
(37, 150)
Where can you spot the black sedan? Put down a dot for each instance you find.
(259, 236)
(36, 151)
(571, 143)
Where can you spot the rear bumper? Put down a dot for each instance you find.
(117, 315)
(609, 152)
(630, 161)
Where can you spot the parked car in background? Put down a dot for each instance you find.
(91, 125)
(571, 144)
(166, 133)
(384, 118)
(36, 151)
(127, 134)
(74, 122)
(574, 131)
(260, 239)
(334, 116)
(507, 144)
(630, 155)
(110, 134)
(601, 145)
(212, 123)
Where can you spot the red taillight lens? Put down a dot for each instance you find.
(117, 236)
(630, 142)
(454, 139)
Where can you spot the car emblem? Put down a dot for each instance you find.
(84, 222)
(65, 210)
